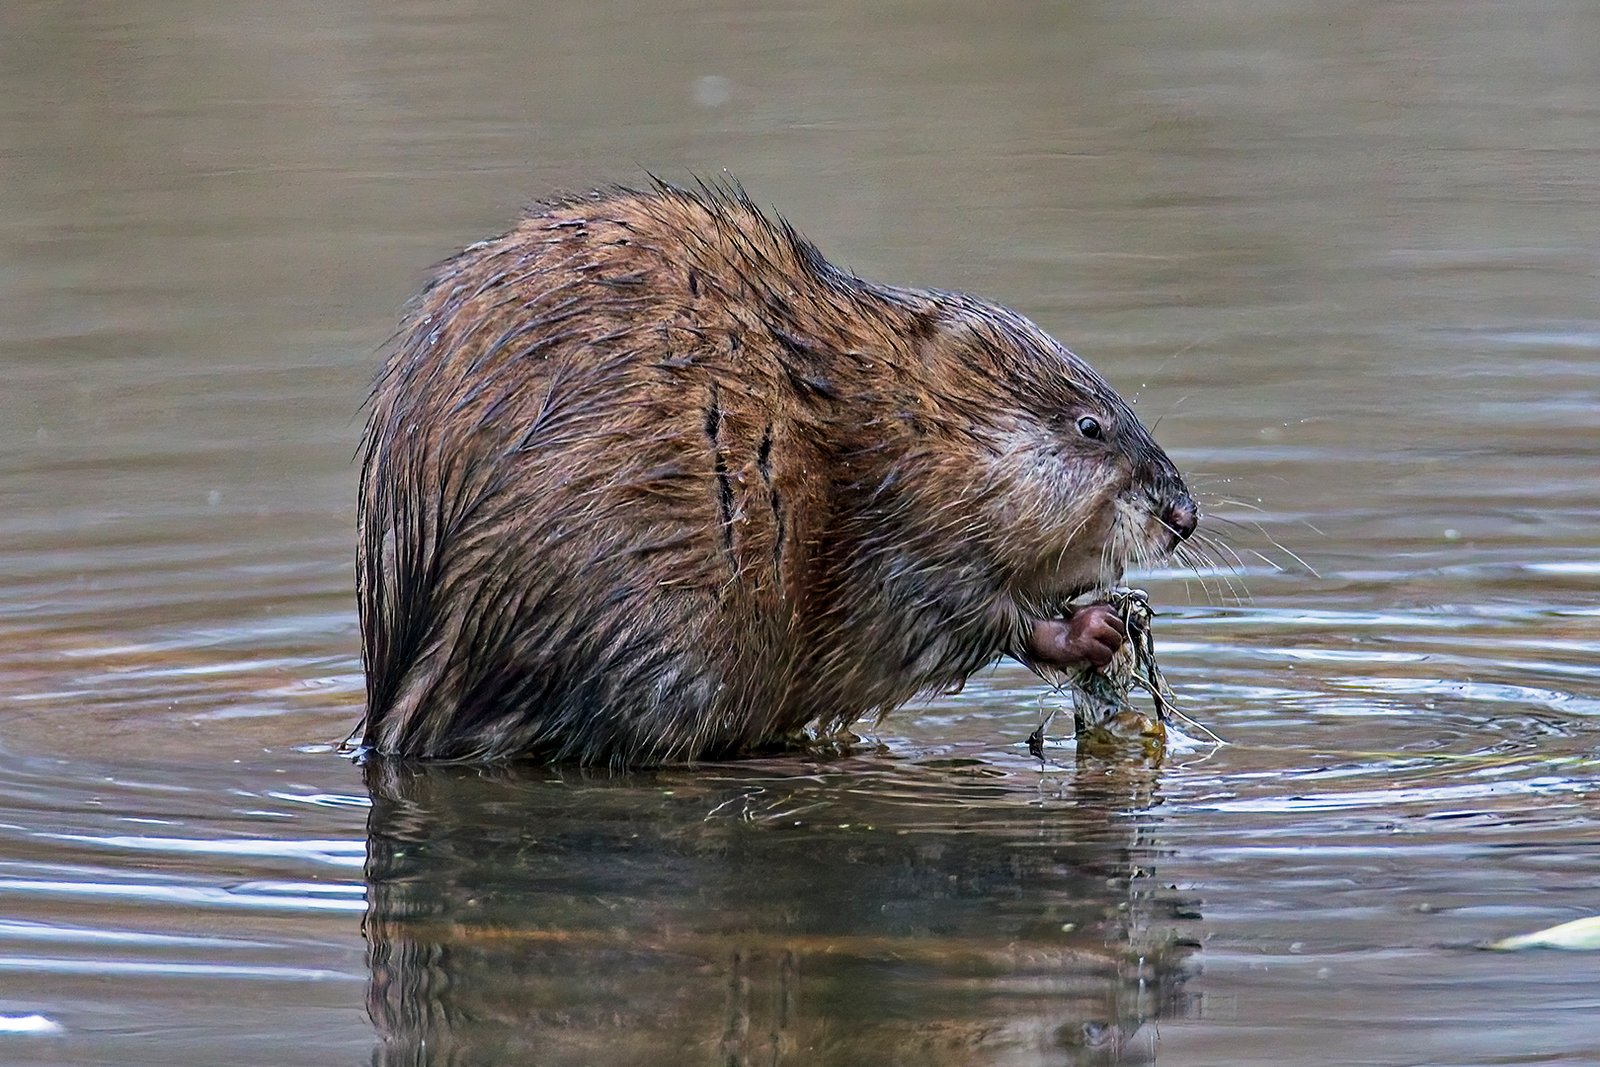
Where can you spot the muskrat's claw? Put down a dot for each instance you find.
(1090, 636)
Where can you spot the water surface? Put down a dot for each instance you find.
(1346, 256)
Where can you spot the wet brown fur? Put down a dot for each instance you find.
(646, 479)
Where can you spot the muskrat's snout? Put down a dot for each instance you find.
(1170, 514)
(1181, 515)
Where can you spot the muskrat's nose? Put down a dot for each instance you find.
(1181, 517)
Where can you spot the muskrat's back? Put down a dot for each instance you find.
(646, 479)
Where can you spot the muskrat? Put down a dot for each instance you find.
(647, 479)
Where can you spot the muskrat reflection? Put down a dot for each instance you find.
(772, 914)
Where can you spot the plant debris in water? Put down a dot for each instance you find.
(1579, 935)
(1103, 714)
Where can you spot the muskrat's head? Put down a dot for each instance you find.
(1074, 490)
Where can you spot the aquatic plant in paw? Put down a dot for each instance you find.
(1105, 719)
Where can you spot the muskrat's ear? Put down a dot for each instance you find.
(952, 340)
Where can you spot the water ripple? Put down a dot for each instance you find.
(187, 895)
(332, 853)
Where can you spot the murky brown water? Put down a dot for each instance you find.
(1348, 254)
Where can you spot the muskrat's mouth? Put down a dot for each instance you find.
(1079, 592)
(1061, 604)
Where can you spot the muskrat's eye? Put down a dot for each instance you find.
(1089, 426)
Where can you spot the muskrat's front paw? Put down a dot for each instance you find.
(1092, 636)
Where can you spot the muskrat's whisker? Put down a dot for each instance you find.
(1248, 506)
(1238, 591)
(1195, 558)
(1268, 560)
(1169, 411)
(1110, 549)
(1261, 529)
(1218, 549)
(1256, 527)
(1237, 524)
(1071, 537)
(1243, 505)
(1188, 588)
(1251, 530)
(1204, 553)
(1196, 555)
(1232, 573)
(1204, 338)
(1188, 559)
(1226, 554)
(1290, 553)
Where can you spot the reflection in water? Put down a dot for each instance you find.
(749, 916)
